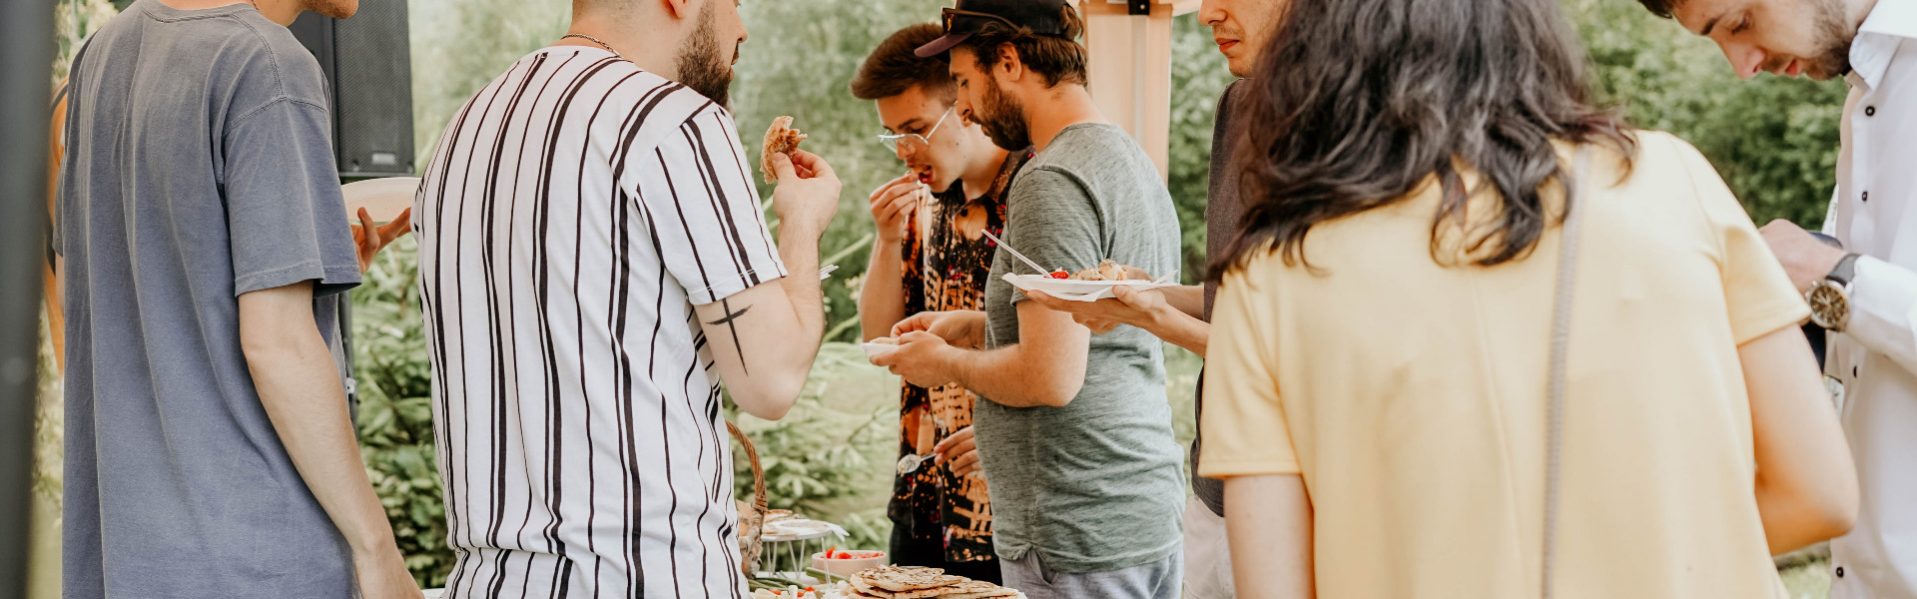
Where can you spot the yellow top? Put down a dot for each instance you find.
(1410, 395)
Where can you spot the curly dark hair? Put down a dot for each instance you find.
(1056, 59)
(1357, 104)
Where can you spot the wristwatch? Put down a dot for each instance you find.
(1830, 298)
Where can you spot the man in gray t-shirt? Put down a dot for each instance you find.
(208, 449)
(1075, 436)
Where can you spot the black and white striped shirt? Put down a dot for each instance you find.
(576, 211)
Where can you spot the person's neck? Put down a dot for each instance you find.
(277, 11)
(654, 56)
(1057, 109)
(979, 178)
(1860, 10)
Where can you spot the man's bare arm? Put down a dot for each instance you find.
(1046, 368)
(300, 389)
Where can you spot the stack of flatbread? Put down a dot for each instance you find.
(912, 582)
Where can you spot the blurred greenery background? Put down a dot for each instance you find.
(1774, 140)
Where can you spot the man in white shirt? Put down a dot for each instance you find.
(593, 262)
(1866, 292)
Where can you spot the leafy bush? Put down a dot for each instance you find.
(395, 415)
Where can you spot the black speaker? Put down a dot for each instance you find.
(368, 65)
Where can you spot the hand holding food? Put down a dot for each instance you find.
(805, 201)
(920, 360)
(892, 202)
(960, 328)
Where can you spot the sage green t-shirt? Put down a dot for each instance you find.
(1096, 485)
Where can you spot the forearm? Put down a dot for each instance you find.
(882, 297)
(1884, 311)
(1180, 328)
(1009, 377)
(1791, 522)
(1188, 299)
(800, 251)
(302, 395)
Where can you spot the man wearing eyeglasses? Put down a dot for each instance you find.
(932, 255)
(1075, 431)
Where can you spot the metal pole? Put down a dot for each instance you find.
(26, 73)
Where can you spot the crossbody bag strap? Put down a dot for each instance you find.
(1560, 346)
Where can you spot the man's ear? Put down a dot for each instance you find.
(679, 9)
(1009, 65)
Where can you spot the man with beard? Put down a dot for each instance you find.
(202, 233)
(1866, 290)
(932, 254)
(591, 254)
(1075, 433)
(1182, 315)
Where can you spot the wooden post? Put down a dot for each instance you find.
(1130, 68)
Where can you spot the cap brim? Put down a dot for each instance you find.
(942, 45)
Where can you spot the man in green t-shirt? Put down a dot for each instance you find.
(1075, 435)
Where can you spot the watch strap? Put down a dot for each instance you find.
(1845, 271)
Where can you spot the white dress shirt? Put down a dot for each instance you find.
(1876, 357)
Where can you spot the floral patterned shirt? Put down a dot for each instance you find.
(948, 259)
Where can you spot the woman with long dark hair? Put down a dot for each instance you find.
(1478, 338)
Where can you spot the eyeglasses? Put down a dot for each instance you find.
(952, 14)
(913, 140)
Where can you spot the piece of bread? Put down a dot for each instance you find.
(781, 138)
(976, 589)
(904, 582)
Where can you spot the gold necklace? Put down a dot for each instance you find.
(608, 47)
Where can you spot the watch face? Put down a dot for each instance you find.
(1829, 307)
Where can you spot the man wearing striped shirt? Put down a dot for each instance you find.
(592, 254)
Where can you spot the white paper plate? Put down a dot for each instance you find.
(1076, 290)
(383, 199)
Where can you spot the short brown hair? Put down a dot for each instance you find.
(892, 67)
(1662, 8)
(1058, 59)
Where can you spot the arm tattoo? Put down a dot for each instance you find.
(731, 320)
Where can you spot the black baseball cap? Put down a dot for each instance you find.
(1043, 17)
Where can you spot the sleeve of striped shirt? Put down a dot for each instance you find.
(701, 196)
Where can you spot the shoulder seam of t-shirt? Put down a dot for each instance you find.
(273, 60)
(275, 102)
(1687, 162)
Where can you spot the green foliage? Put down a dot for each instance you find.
(830, 457)
(395, 411)
(1773, 139)
(1199, 79)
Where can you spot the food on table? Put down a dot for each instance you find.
(837, 553)
(780, 139)
(791, 592)
(912, 582)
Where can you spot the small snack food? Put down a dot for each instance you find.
(781, 138)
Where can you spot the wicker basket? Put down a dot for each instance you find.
(751, 515)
